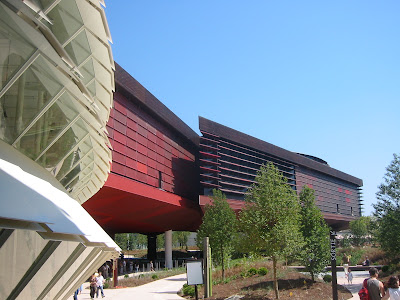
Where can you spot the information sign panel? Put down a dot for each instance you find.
(194, 270)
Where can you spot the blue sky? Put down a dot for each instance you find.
(316, 77)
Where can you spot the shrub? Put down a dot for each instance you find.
(385, 269)
(243, 274)
(106, 285)
(126, 276)
(188, 290)
(327, 278)
(252, 271)
(262, 271)
(154, 276)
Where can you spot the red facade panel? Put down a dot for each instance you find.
(143, 146)
(142, 167)
(119, 137)
(120, 127)
(118, 147)
(119, 107)
(131, 143)
(120, 117)
(153, 164)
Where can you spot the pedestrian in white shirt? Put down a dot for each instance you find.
(100, 281)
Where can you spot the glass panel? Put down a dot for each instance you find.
(87, 71)
(79, 179)
(14, 49)
(84, 163)
(26, 97)
(46, 3)
(40, 135)
(68, 140)
(73, 158)
(68, 18)
(79, 49)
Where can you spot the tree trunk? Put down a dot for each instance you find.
(223, 264)
(275, 278)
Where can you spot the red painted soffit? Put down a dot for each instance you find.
(125, 205)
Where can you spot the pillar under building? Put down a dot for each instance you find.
(152, 247)
(168, 249)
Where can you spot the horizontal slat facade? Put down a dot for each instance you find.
(235, 159)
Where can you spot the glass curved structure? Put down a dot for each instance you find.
(57, 80)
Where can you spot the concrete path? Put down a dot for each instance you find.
(162, 289)
(167, 288)
(358, 278)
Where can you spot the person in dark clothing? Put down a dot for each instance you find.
(366, 261)
(375, 287)
(93, 285)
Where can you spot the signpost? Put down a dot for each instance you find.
(207, 268)
(333, 264)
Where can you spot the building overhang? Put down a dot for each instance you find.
(126, 205)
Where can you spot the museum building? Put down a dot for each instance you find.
(229, 161)
(56, 91)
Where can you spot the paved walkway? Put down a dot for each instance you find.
(167, 288)
(162, 289)
(358, 278)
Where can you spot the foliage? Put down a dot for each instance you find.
(316, 250)
(220, 225)
(126, 276)
(154, 276)
(130, 241)
(180, 238)
(252, 272)
(360, 230)
(387, 209)
(327, 278)
(188, 290)
(356, 255)
(385, 269)
(270, 218)
(262, 271)
(345, 242)
(160, 241)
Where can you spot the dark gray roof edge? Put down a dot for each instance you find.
(260, 145)
(124, 80)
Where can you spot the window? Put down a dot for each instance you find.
(159, 180)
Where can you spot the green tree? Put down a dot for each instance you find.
(387, 209)
(121, 239)
(220, 225)
(139, 241)
(360, 230)
(180, 238)
(270, 218)
(160, 241)
(316, 251)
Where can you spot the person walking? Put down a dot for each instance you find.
(375, 287)
(349, 276)
(93, 285)
(346, 261)
(393, 291)
(151, 266)
(76, 294)
(99, 282)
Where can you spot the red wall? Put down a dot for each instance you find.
(143, 146)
